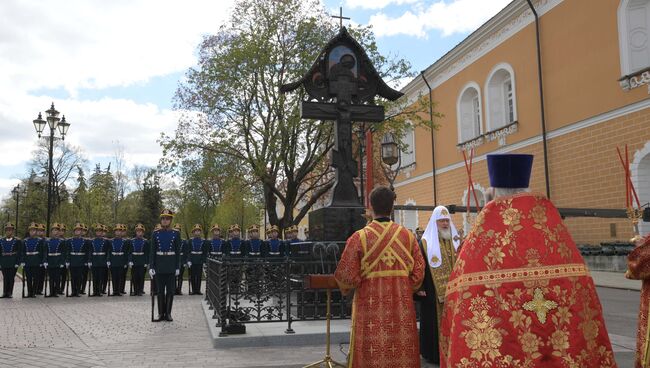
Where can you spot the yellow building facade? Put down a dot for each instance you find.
(595, 62)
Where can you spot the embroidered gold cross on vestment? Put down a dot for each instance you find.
(539, 305)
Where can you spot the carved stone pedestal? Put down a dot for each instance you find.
(335, 223)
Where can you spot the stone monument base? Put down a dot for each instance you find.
(335, 223)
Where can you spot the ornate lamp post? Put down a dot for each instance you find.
(17, 192)
(390, 155)
(53, 121)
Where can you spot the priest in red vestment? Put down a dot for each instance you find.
(520, 294)
(383, 263)
(638, 268)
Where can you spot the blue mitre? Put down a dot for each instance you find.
(510, 170)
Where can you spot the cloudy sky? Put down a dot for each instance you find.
(112, 66)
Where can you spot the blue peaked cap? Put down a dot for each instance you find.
(510, 170)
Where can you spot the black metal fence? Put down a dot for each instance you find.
(242, 290)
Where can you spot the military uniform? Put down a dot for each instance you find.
(140, 248)
(234, 247)
(64, 273)
(86, 268)
(32, 256)
(198, 252)
(253, 246)
(78, 258)
(216, 244)
(40, 281)
(98, 257)
(274, 247)
(165, 266)
(118, 260)
(10, 249)
(55, 261)
(184, 256)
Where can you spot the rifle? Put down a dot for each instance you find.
(131, 283)
(45, 282)
(24, 282)
(152, 296)
(88, 283)
(110, 280)
(67, 281)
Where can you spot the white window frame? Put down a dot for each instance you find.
(503, 103)
(475, 86)
(623, 38)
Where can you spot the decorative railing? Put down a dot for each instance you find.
(489, 137)
(635, 80)
(257, 290)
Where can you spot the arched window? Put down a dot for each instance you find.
(469, 220)
(500, 97)
(468, 110)
(407, 218)
(634, 35)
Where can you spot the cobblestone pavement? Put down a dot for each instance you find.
(117, 332)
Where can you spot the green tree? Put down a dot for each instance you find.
(233, 107)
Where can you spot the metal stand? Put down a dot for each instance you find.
(24, 281)
(328, 362)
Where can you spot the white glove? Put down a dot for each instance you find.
(23, 264)
(67, 264)
(16, 266)
(146, 265)
(90, 264)
(130, 264)
(178, 272)
(189, 263)
(108, 264)
(61, 266)
(152, 272)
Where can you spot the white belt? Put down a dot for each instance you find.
(254, 253)
(99, 254)
(118, 253)
(274, 253)
(235, 252)
(197, 252)
(31, 253)
(217, 253)
(166, 253)
(138, 253)
(54, 254)
(9, 254)
(77, 254)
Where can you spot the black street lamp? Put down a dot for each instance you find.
(54, 122)
(361, 134)
(390, 155)
(16, 193)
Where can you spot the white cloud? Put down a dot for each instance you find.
(94, 44)
(375, 4)
(6, 185)
(449, 17)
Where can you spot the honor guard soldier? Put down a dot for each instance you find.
(128, 250)
(117, 260)
(32, 258)
(253, 245)
(198, 253)
(98, 257)
(164, 264)
(216, 243)
(140, 257)
(106, 270)
(86, 268)
(40, 282)
(10, 257)
(54, 260)
(184, 257)
(64, 272)
(274, 247)
(233, 246)
(78, 258)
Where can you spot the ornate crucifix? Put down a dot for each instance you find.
(341, 86)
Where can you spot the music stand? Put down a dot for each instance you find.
(328, 283)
